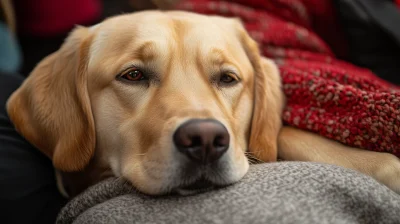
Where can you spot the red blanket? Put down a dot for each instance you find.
(324, 94)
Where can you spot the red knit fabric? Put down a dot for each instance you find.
(398, 3)
(327, 96)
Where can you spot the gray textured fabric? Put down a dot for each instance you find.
(285, 192)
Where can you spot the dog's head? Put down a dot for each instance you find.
(165, 99)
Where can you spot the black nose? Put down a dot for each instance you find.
(202, 141)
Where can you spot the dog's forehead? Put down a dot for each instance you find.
(172, 25)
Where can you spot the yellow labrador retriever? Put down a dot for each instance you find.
(170, 101)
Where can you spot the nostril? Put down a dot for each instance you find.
(220, 140)
(196, 141)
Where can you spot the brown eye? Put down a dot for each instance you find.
(133, 74)
(227, 78)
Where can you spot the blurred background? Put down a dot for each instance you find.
(32, 29)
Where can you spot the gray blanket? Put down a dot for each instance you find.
(285, 192)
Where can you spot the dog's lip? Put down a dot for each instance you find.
(199, 184)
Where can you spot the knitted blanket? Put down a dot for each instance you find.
(285, 192)
(325, 95)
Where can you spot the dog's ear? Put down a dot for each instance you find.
(268, 102)
(52, 109)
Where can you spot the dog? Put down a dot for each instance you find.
(171, 102)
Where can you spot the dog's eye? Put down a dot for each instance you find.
(227, 78)
(133, 74)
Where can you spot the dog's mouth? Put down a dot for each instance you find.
(200, 185)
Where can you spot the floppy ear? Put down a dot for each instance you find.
(268, 103)
(52, 109)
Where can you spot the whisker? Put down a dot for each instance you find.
(253, 159)
(254, 151)
(139, 154)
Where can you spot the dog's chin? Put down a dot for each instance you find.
(187, 179)
(199, 186)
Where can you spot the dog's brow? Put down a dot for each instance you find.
(218, 57)
(146, 51)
